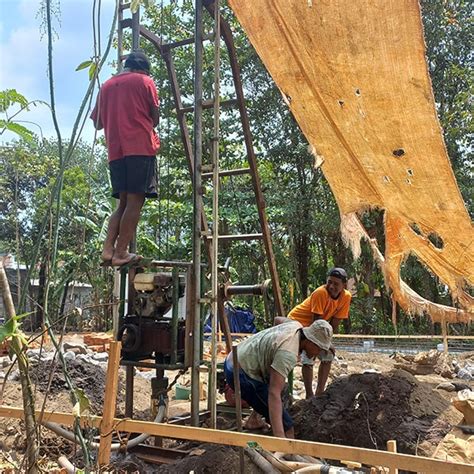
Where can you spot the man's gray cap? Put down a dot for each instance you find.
(319, 333)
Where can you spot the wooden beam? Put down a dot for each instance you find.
(110, 403)
(320, 450)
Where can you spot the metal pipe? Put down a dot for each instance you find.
(136, 30)
(151, 365)
(67, 465)
(170, 263)
(215, 218)
(261, 462)
(70, 436)
(119, 36)
(244, 290)
(174, 316)
(129, 391)
(238, 403)
(197, 207)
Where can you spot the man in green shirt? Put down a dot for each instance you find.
(266, 359)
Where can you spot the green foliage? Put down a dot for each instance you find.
(10, 97)
(302, 212)
(11, 328)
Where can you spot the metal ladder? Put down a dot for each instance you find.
(193, 153)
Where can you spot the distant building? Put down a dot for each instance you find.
(78, 294)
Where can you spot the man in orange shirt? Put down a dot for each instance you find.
(330, 302)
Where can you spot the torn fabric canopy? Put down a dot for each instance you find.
(356, 80)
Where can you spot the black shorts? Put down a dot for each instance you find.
(134, 174)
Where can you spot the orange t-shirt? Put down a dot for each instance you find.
(319, 302)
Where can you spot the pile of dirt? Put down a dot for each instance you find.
(88, 377)
(210, 459)
(367, 410)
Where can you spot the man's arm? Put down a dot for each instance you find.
(155, 115)
(275, 406)
(335, 324)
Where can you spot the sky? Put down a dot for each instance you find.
(23, 50)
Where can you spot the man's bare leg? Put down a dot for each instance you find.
(290, 433)
(128, 227)
(323, 374)
(113, 229)
(307, 372)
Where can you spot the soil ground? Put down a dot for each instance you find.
(360, 409)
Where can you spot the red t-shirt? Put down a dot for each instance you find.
(124, 107)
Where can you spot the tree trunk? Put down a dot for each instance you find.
(18, 347)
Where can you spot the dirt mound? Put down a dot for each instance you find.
(368, 409)
(210, 459)
(88, 377)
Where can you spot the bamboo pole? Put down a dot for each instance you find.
(19, 348)
(110, 401)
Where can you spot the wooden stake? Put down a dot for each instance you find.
(392, 448)
(110, 401)
(444, 332)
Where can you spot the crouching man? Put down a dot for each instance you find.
(265, 360)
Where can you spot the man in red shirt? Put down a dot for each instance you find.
(330, 302)
(127, 109)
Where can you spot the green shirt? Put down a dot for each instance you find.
(276, 347)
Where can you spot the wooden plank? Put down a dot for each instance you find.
(319, 450)
(110, 403)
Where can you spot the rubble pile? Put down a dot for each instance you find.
(436, 362)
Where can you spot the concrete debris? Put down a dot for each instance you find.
(458, 444)
(69, 355)
(14, 375)
(466, 373)
(425, 363)
(449, 387)
(5, 362)
(76, 348)
(100, 356)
